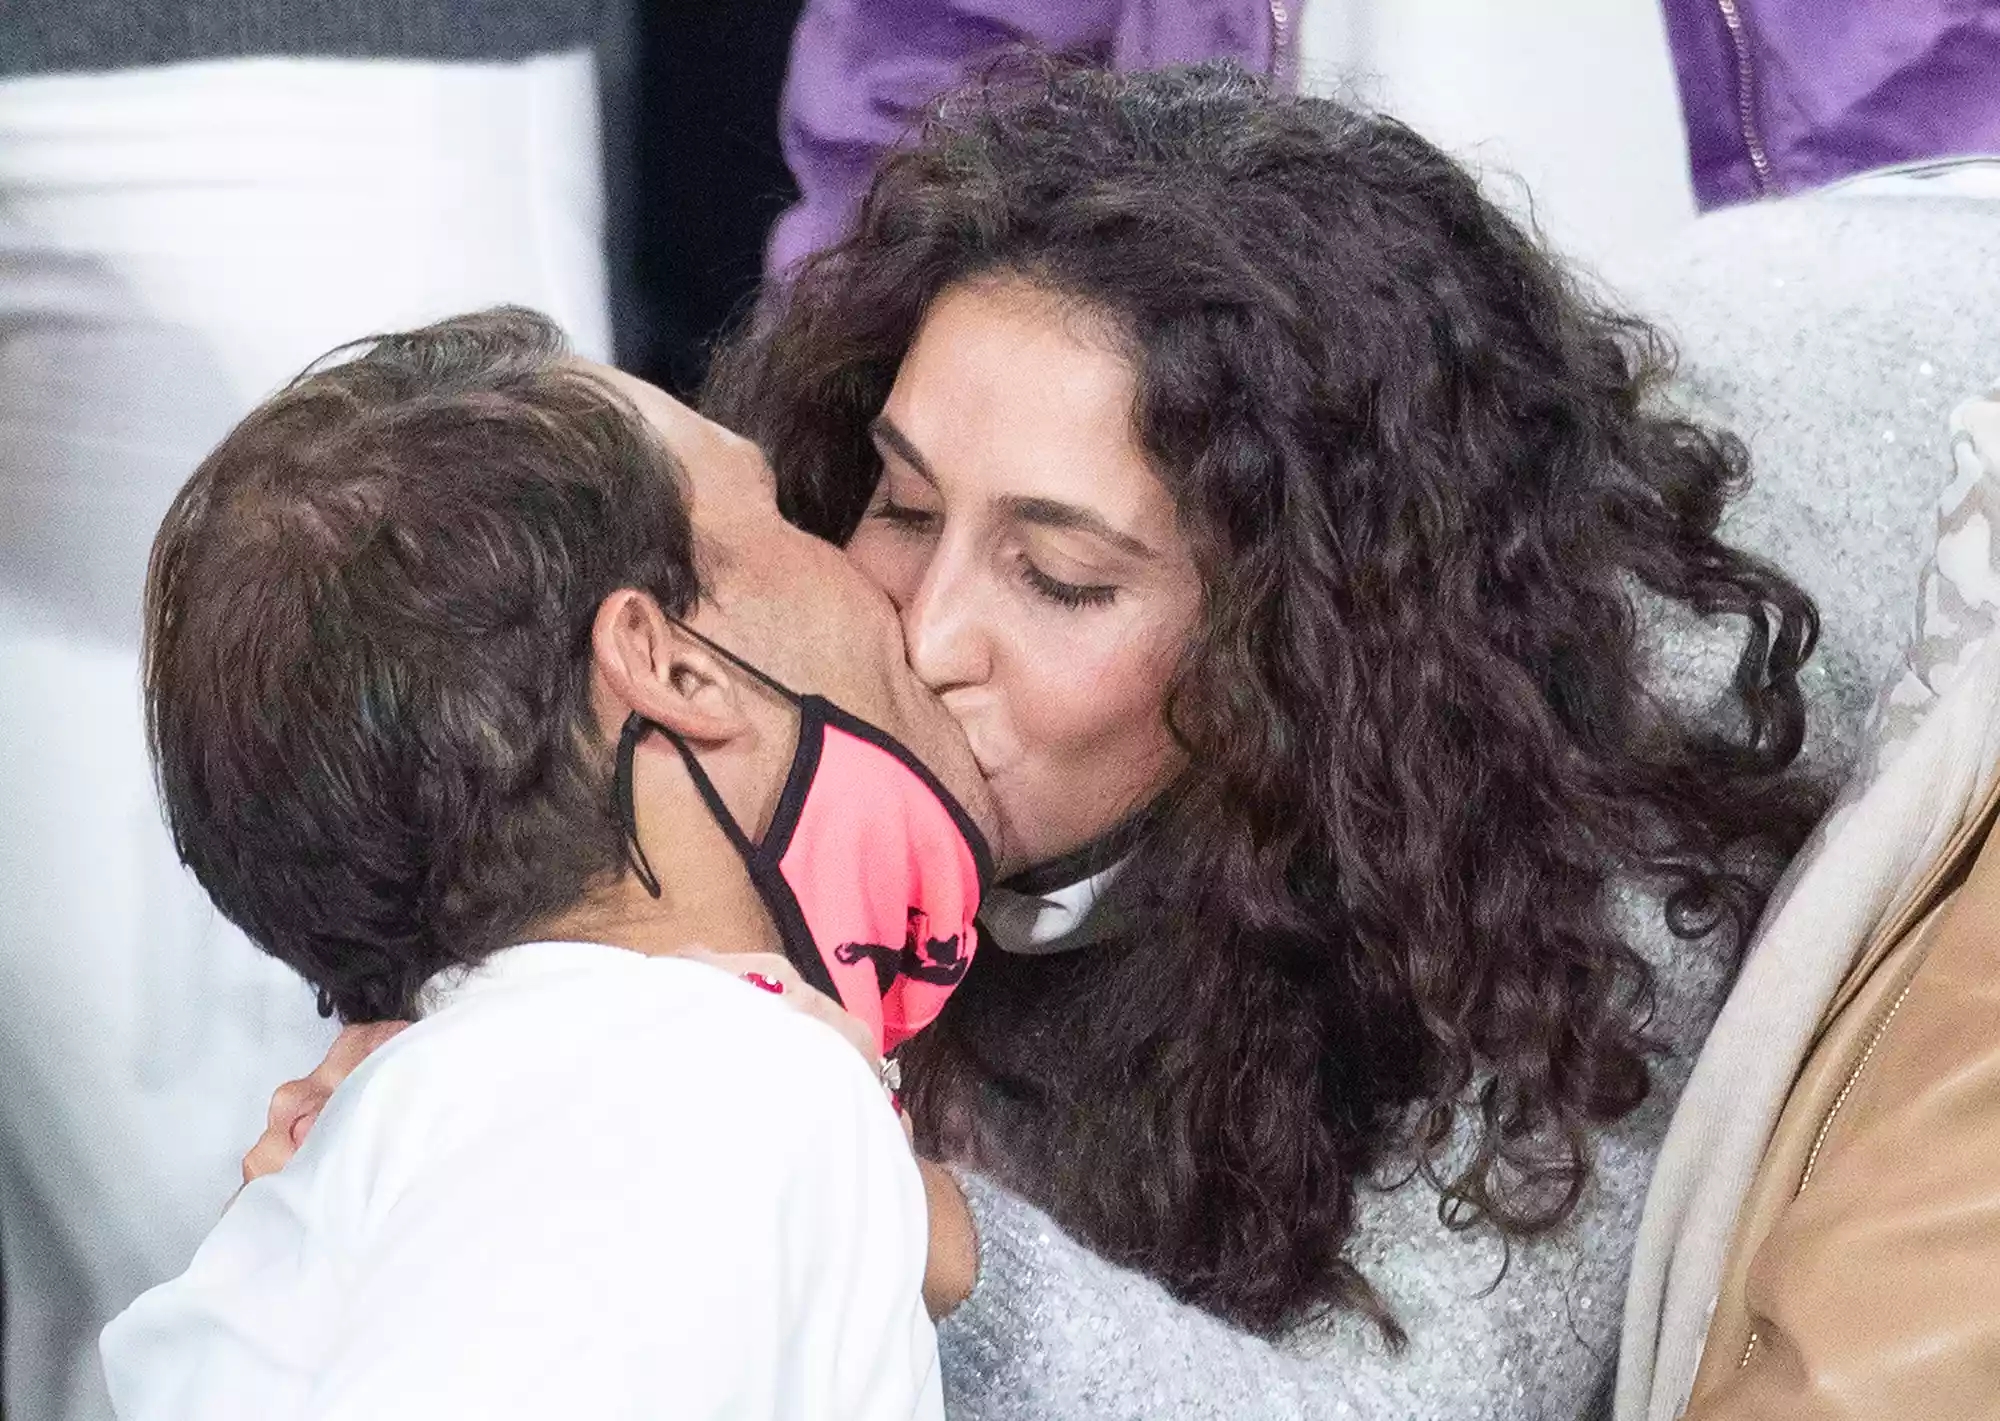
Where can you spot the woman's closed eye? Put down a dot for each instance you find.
(1073, 595)
(911, 520)
(902, 516)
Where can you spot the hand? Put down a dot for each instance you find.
(296, 1104)
(953, 1267)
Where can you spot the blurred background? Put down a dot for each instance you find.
(1573, 101)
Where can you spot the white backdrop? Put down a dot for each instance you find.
(1574, 99)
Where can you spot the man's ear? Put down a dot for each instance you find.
(644, 661)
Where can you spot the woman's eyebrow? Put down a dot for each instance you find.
(1071, 518)
(883, 430)
(1042, 512)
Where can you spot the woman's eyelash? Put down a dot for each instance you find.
(902, 515)
(1064, 594)
(1068, 594)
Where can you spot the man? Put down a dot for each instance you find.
(472, 678)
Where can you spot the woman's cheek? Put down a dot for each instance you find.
(1094, 741)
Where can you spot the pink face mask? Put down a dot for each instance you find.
(871, 870)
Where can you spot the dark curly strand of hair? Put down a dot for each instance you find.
(1425, 477)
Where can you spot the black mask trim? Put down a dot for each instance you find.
(762, 859)
(624, 808)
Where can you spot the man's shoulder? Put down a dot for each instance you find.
(633, 1052)
(597, 1000)
(663, 1156)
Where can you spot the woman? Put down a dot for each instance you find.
(1268, 508)
(1271, 512)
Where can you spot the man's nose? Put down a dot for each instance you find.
(944, 625)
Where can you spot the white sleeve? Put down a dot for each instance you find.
(731, 1228)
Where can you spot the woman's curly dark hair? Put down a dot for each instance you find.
(1426, 479)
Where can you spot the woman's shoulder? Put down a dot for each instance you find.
(1498, 1330)
(1521, 1328)
(1832, 334)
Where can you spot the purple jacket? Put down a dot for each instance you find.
(863, 70)
(1784, 95)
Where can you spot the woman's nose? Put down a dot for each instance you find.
(943, 626)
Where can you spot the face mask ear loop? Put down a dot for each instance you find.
(622, 806)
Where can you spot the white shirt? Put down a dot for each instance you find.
(588, 1184)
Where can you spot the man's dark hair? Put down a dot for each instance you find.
(368, 637)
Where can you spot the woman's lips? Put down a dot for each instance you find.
(991, 767)
(985, 755)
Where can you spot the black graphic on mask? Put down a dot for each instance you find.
(923, 958)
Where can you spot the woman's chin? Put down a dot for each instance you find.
(1008, 859)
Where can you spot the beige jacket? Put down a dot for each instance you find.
(1825, 1216)
(1864, 1277)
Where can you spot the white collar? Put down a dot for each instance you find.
(1058, 920)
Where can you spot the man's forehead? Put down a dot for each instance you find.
(673, 419)
(735, 508)
(725, 473)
